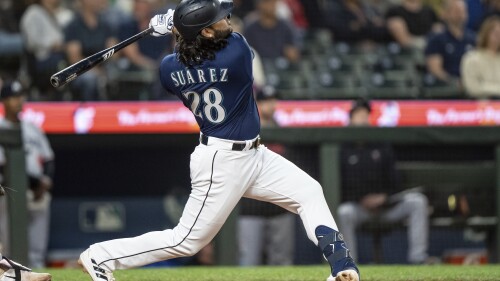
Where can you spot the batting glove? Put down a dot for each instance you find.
(162, 24)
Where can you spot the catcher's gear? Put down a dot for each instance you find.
(13, 271)
(191, 16)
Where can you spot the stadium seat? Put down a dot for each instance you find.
(317, 42)
(328, 84)
(290, 84)
(391, 84)
(334, 62)
(433, 88)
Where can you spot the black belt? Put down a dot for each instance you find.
(236, 146)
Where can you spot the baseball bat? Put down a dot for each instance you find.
(71, 72)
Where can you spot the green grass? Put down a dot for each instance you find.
(294, 273)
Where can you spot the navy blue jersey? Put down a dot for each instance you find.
(218, 92)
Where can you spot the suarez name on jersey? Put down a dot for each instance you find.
(187, 76)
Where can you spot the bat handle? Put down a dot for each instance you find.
(149, 31)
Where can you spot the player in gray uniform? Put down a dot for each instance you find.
(211, 73)
(39, 168)
(13, 271)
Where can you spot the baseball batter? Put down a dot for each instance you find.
(211, 72)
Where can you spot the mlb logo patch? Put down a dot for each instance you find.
(161, 19)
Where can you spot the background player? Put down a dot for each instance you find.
(376, 194)
(40, 171)
(211, 73)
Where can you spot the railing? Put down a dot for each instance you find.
(15, 174)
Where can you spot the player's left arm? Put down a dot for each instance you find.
(43, 184)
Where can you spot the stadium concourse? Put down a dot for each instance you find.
(421, 68)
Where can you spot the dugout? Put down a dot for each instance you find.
(133, 168)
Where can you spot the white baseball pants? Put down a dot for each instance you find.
(219, 178)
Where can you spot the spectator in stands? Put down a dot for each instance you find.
(40, 171)
(85, 35)
(477, 10)
(410, 22)
(493, 8)
(314, 14)
(44, 39)
(146, 54)
(296, 14)
(435, 5)
(264, 229)
(354, 21)
(271, 36)
(117, 12)
(481, 67)
(242, 8)
(10, 38)
(444, 50)
(11, 43)
(369, 191)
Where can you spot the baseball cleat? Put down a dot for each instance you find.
(335, 251)
(346, 275)
(346, 270)
(90, 266)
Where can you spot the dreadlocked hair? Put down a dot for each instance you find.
(195, 52)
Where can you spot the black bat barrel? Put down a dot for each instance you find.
(71, 72)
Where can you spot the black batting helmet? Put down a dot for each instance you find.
(191, 16)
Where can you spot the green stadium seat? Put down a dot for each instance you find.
(391, 85)
(290, 84)
(328, 84)
(432, 88)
